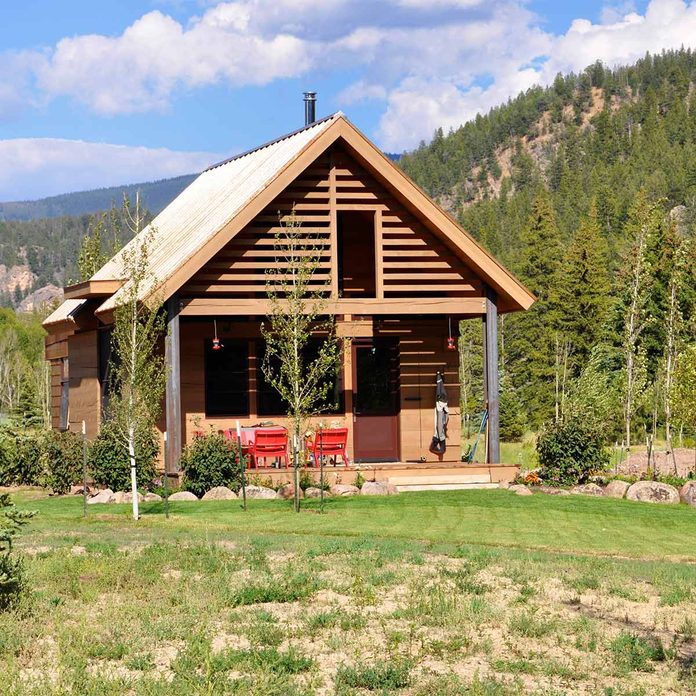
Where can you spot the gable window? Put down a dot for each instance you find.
(227, 379)
(356, 253)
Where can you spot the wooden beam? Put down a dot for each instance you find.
(333, 227)
(399, 306)
(379, 257)
(490, 320)
(91, 288)
(172, 358)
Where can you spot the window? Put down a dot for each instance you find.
(356, 253)
(227, 379)
(270, 402)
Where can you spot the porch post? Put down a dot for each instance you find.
(172, 361)
(490, 344)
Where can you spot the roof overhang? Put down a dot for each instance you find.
(89, 289)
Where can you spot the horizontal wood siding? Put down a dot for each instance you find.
(85, 396)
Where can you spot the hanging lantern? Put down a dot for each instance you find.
(216, 341)
(451, 343)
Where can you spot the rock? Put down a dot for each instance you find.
(587, 489)
(653, 492)
(342, 489)
(687, 494)
(125, 497)
(152, 498)
(182, 496)
(220, 493)
(392, 489)
(287, 492)
(550, 490)
(101, 497)
(616, 489)
(374, 488)
(260, 492)
(520, 489)
(313, 492)
(504, 484)
(79, 490)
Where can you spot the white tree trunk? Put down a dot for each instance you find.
(133, 471)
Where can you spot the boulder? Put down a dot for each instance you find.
(504, 484)
(260, 492)
(287, 492)
(520, 489)
(219, 493)
(687, 494)
(125, 497)
(374, 488)
(343, 489)
(550, 490)
(587, 489)
(182, 496)
(79, 490)
(101, 497)
(313, 492)
(392, 489)
(152, 498)
(653, 492)
(616, 489)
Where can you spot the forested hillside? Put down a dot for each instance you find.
(586, 190)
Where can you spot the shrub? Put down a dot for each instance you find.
(62, 461)
(109, 462)
(12, 575)
(635, 653)
(569, 453)
(210, 461)
(22, 456)
(380, 676)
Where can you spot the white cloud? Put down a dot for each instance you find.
(431, 62)
(48, 166)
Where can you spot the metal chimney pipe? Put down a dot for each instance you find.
(310, 102)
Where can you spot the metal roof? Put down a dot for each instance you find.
(201, 210)
(64, 312)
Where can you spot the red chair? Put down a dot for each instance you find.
(331, 442)
(269, 442)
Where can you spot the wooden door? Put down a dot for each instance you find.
(375, 400)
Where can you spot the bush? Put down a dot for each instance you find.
(109, 462)
(208, 462)
(569, 453)
(21, 456)
(62, 460)
(12, 575)
(634, 653)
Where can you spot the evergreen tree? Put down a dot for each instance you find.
(583, 293)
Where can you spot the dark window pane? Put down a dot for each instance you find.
(227, 379)
(376, 391)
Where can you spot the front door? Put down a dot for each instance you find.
(375, 400)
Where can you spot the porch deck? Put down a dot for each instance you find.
(406, 476)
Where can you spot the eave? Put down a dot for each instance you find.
(89, 289)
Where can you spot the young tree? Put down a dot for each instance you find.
(297, 311)
(103, 240)
(137, 370)
(683, 393)
(644, 220)
(12, 575)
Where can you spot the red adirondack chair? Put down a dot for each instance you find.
(331, 442)
(269, 442)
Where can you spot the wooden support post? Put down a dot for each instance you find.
(172, 360)
(490, 344)
(379, 260)
(333, 227)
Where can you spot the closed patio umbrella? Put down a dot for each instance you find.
(439, 444)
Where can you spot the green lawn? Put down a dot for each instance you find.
(462, 592)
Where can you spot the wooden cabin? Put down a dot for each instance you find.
(399, 271)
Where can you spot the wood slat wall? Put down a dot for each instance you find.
(410, 260)
(85, 394)
(56, 354)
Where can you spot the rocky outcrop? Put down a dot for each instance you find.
(653, 492)
(687, 494)
(343, 489)
(260, 492)
(616, 489)
(125, 497)
(183, 496)
(220, 493)
(40, 298)
(587, 489)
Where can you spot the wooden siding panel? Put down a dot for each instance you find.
(85, 393)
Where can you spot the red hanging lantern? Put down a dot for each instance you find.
(216, 341)
(451, 343)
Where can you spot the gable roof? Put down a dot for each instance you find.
(227, 196)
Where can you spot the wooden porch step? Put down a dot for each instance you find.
(444, 486)
(432, 479)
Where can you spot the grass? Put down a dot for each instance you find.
(458, 592)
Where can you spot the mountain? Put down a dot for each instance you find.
(154, 194)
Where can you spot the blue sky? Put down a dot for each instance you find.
(101, 93)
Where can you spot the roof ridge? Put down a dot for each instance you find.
(275, 140)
